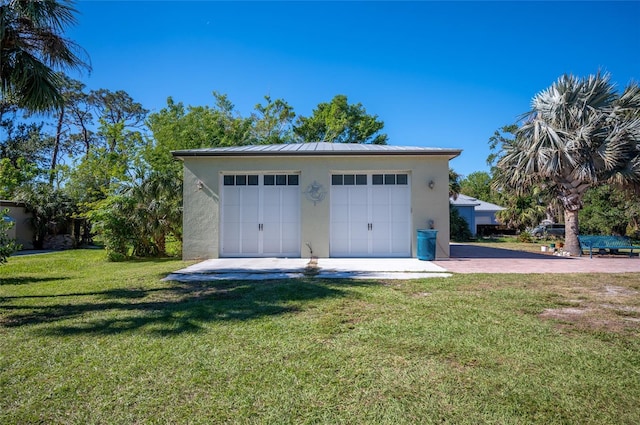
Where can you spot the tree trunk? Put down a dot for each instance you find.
(571, 200)
(85, 138)
(56, 147)
(161, 243)
(571, 243)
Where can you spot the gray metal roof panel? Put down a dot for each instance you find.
(479, 205)
(321, 148)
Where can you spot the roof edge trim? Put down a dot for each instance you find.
(451, 153)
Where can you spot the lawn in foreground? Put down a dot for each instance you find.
(86, 341)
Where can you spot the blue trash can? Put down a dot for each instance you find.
(427, 244)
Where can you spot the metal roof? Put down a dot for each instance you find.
(8, 203)
(318, 149)
(463, 201)
(467, 201)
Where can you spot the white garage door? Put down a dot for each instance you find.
(260, 215)
(370, 215)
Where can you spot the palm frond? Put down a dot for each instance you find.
(33, 49)
(579, 133)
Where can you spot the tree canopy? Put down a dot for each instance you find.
(340, 122)
(610, 211)
(104, 160)
(33, 48)
(107, 162)
(477, 185)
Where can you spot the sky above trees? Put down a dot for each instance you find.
(442, 74)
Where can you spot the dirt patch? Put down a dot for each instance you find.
(628, 309)
(615, 291)
(312, 268)
(602, 307)
(563, 313)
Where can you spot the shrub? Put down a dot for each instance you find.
(51, 210)
(7, 245)
(111, 218)
(525, 236)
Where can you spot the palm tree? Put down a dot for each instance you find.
(32, 48)
(157, 211)
(521, 211)
(454, 184)
(51, 210)
(580, 133)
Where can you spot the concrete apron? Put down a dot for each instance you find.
(321, 268)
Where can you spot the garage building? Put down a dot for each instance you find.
(314, 199)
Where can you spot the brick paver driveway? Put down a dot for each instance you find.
(481, 259)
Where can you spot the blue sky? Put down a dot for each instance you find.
(440, 74)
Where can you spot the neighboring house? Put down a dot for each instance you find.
(313, 199)
(21, 230)
(479, 214)
(466, 208)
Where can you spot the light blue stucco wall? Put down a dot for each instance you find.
(468, 213)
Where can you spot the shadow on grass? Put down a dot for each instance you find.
(143, 260)
(24, 280)
(185, 307)
(110, 294)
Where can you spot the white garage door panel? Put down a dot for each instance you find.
(249, 205)
(358, 196)
(370, 219)
(281, 220)
(351, 212)
(271, 227)
(291, 214)
(232, 244)
(381, 240)
(262, 219)
(402, 234)
(381, 214)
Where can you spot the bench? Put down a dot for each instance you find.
(598, 242)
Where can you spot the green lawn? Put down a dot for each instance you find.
(85, 341)
(511, 242)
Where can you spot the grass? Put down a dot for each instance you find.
(512, 242)
(86, 341)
